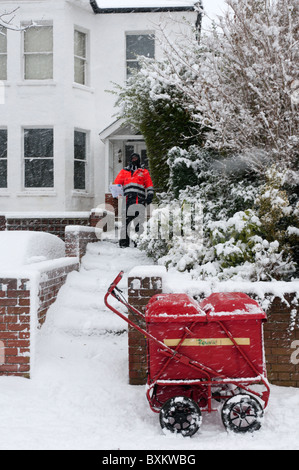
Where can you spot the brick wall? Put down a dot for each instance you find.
(24, 302)
(109, 200)
(281, 333)
(44, 223)
(15, 327)
(103, 218)
(77, 239)
(140, 291)
(49, 286)
(281, 336)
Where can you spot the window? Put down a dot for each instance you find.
(3, 158)
(80, 51)
(138, 45)
(38, 155)
(38, 53)
(80, 157)
(3, 53)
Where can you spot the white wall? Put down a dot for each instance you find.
(62, 104)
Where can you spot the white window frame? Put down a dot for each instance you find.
(85, 59)
(39, 24)
(86, 161)
(4, 54)
(38, 189)
(136, 33)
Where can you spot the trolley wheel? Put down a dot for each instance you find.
(180, 415)
(242, 413)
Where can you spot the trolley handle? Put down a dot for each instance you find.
(115, 282)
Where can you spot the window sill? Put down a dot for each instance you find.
(37, 83)
(37, 193)
(4, 193)
(78, 193)
(83, 87)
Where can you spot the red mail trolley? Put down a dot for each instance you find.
(200, 354)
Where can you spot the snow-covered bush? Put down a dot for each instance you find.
(238, 82)
(236, 153)
(278, 215)
(158, 112)
(236, 228)
(239, 246)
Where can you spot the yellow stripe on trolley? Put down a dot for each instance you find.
(207, 342)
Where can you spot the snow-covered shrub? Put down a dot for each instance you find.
(232, 90)
(189, 167)
(158, 112)
(240, 246)
(278, 216)
(175, 223)
(238, 233)
(221, 183)
(238, 81)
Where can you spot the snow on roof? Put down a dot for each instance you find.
(142, 4)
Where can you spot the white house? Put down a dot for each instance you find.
(59, 143)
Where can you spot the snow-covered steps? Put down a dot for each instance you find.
(80, 307)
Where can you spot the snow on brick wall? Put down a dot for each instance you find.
(77, 239)
(49, 286)
(24, 303)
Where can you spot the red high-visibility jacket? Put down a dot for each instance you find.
(137, 185)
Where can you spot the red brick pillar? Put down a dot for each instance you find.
(15, 327)
(140, 290)
(2, 223)
(281, 333)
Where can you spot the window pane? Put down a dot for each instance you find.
(3, 173)
(39, 173)
(3, 67)
(132, 67)
(38, 67)
(80, 44)
(80, 71)
(3, 143)
(3, 40)
(80, 145)
(38, 143)
(128, 152)
(140, 44)
(79, 175)
(39, 39)
(3, 52)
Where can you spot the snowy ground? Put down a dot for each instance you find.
(79, 397)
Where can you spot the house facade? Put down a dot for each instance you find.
(60, 143)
